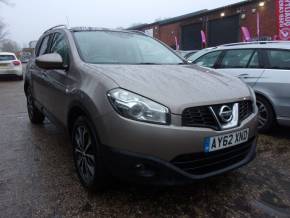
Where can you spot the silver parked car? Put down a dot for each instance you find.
(136, 111)
(265, 66)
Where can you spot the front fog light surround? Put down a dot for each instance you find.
(136, 107)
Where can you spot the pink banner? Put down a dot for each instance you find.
(246, 34)
(203, 37)
(258, 25)
(176, 43)
(283, 18)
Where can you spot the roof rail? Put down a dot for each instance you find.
(138, 31)
(255, 42)
(55, 27)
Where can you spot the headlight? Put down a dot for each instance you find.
(136, 107)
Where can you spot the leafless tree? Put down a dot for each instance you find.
(4, 1)
(3, 33)
(7, 45)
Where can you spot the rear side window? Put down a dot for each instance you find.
(237, 58)
(208, 60)
(279, 59)
(44, 46)
(7, 58)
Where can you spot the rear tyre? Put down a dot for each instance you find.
(35, 116)
(266, 115)
(86, 154)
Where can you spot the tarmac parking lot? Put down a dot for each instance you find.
(37, 177)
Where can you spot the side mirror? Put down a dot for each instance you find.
(50, 61)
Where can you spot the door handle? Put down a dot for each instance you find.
(243, 76)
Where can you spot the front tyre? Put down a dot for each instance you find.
(86, 154)
(266, 116)
(35, 116)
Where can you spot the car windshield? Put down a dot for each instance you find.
(109, 47)
(7, 58)
(198, 54)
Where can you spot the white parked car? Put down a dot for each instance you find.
(265, 66)
(10, 65)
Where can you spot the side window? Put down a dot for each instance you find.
(279, 59)
(236, 58)
(59, 45)
(44, 46)
(254, 63)
(208, 60)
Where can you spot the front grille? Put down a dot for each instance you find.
(203, 163)
(199, 117)
(245, 110)
(203, 117)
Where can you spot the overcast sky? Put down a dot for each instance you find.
(27, 19)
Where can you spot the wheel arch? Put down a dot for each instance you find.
(262, 95)
(76, 109)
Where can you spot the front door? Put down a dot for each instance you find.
(39, 82)
(57, 79)
(242, 63)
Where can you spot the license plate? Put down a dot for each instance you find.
(3, 65)
(225, 141)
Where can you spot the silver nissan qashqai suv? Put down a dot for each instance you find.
(136, 111)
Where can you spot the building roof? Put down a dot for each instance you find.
(190, 15)
(169, 20)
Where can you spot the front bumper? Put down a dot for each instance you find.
(142, 169)
(151, 154)
(162, 142)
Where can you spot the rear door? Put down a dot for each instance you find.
(245, 64)
(275, 81)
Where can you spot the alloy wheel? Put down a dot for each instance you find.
(263, 115)
(84, 154)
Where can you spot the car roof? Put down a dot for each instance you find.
(243, 45)
(7, 53)
(85, 29)
(267, 44)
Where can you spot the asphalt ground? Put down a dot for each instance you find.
(38, 179)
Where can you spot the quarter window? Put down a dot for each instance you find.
(279, 59)
(208, 60)
(236, 58)
(59, 45)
